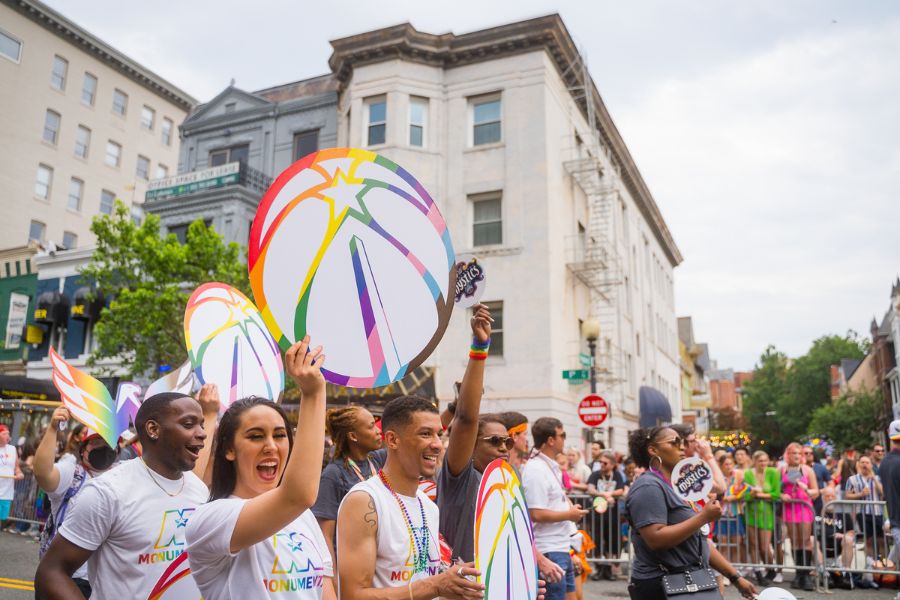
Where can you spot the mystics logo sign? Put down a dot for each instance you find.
(692, 479)
(298, 559)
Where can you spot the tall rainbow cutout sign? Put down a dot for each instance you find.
(504, 541)
(229, 345)
(349, 248)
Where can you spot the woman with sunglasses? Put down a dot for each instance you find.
(257, 535)
(666, 531)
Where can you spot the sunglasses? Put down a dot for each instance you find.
(499, 440)
(678, 442)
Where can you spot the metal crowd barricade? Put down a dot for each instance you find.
(609, 532)
(851, 537)
(27, 502)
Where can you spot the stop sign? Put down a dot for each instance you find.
(593, 410)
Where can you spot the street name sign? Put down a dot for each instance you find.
(576, 374)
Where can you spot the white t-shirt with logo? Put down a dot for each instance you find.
(66, 468)
(8, 459)
(293, 563)
(136, 532)
(394, 561)
(542, 482)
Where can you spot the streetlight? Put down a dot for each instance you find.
(590, 330)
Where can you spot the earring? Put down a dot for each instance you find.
(657, 458)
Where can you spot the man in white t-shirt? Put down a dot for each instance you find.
(129, 523)
(553, 515)
(9, 473)
(388, 529)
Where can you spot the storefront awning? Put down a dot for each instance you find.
(654, 407)
(14, 387)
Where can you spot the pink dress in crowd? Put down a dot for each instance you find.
(796, 512)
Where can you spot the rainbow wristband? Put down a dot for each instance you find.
(478, 354)
(476, 345)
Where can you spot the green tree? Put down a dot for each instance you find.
(764, 394)
(809, 382)
(850, 421)
(149, 279)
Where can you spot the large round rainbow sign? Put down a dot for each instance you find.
(504, 541)
(350, 249)
(229, 345)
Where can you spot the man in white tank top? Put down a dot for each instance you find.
(388, 541)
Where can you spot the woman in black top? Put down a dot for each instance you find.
(666, 530)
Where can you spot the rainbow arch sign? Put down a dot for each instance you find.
(348, 247)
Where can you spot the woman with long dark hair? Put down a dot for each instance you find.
(256, 535)
(668, 535)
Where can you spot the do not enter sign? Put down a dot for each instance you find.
(593, 410)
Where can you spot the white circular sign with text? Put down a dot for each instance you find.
(692, 479)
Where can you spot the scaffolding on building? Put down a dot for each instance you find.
(592, 254)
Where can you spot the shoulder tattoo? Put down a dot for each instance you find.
(371, 516)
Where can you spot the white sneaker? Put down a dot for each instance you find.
(778, 578)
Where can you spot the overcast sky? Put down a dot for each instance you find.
(768, 132)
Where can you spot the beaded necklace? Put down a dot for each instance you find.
(419, 542)
(355, 467)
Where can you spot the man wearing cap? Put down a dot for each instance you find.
(890, 481)
(65, 479)
(9, 473)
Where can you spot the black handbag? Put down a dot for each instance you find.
(694, 582)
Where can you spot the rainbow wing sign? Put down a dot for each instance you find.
(91, 404)
(349, 248)
(504, 542)
(229, 345)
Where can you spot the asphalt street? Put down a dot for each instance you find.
(18, 560)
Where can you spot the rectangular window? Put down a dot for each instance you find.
(36, 231)
(167, 132)
(487, 223)
(82, 141)
(113, 153)
(51, 126)
(70, 240)
(76, 191)
(229, 107)
(486, 120)
(418, 116)
(148, 118)
(305, 143)
(162, 171)
(143, 167)
(42, 182)
(58, 74)
(228, 155)
(89, 89)
(496, 309)
(376, 110)
(10, 47)
(107, 199)
(120, 102)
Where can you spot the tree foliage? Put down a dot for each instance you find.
(149, 279)
(850, 421)
(764, 394)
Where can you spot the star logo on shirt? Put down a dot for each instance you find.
(179, 523)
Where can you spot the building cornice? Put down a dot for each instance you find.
(64, 28)
(546, 33)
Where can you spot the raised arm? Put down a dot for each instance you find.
(265, 515)
(45, 470)
(464, 431)
(209, 403)
(357, 528)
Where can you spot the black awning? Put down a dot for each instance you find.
(654, 407)
(13, 387)
(52, 307)
(87, 305)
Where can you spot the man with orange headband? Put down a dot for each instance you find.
(517, 428)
